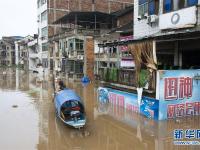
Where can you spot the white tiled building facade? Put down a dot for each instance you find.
(43, 32)
(143, 26)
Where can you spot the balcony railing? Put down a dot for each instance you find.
(124, 77)
(120, 76)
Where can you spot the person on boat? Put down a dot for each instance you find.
(61, 85)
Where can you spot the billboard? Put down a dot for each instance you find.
(148, 106)
(178, 92)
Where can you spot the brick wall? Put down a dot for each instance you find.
(89, 58)
(125, 19)
(59, 8)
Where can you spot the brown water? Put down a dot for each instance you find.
(27, 121)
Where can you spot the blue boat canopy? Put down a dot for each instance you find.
(65, 95)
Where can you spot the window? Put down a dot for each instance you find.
(143, 7)
(172, 5)
(45, 62)
(192, 2)
(148, 7)
(44, 32)
(44, 47)
(60, 45)
(38, 3)
(44, 16)
(38, 18)
(153, 7)
(43, 2)
(71, 44)
(79, 45)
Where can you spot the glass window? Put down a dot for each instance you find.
(44, 32)
(143, 7)
(45, 62)
(44, 16)
(79, 45)
(38, 3)
(71, 44)
(172, 5)
(44, 47)
(148, 7)
(192, 2)
(43, 2)
(38, 18)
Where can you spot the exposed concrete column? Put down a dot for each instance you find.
(154, 52)
(118, 56)
(16, 54)
(176, 51)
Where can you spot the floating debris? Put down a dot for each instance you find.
(14, 106)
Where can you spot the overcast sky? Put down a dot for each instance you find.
(18, 17)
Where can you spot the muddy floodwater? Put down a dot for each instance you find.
(28, 121)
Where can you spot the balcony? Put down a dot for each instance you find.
(119, 76)
(33, 55)
(32, 43)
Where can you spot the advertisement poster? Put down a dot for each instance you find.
(179, 93)
(148, 107)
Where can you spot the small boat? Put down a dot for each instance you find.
(69, 108)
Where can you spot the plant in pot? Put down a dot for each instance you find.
(142, 82)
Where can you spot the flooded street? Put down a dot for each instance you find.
(28, 121)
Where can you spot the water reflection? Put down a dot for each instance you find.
(108, 127)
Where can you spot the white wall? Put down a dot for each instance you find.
(141, 28)
(40, 26)
(16, 54)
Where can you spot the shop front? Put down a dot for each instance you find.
(170, 88)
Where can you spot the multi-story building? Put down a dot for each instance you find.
(42, 6)
(165, 36)
(174, 25)
(7, 50)
(33, 54)
(22, 52)
(114, 63)
(72, 45)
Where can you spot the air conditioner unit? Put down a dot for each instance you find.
(80, 57)
(146, 15)
(152, 18)
(139, 17)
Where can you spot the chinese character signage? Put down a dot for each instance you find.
(125, 38)
(178, 92)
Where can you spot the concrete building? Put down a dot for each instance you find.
(22, 52)
(33, 54)
(72, 45)
(114, 63)
(7, 50)
(42, 6)
(168, 31)
(174, 25)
